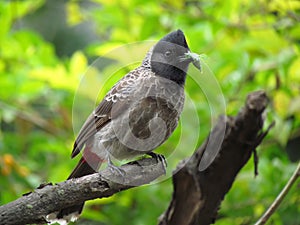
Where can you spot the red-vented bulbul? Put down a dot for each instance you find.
(138, 114)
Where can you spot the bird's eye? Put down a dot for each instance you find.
(168, 53)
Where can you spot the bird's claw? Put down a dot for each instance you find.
(115, 170)
(160, 159)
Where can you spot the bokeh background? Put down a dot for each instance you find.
(47, 45)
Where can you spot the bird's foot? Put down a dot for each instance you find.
(115, 170)
(160, 159)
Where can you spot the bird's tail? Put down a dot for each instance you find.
(71, 213)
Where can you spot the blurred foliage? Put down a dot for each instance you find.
(46, 47)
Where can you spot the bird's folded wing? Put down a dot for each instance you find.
(113, 101)
(100, 116)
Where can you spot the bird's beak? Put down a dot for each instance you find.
(194, 58)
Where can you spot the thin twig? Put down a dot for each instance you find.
(279, 198)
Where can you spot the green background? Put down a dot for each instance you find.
(47, 46)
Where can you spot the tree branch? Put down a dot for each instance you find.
(280, 197)
(34, 206)
(198, 192)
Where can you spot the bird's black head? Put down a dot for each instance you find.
(169, 59)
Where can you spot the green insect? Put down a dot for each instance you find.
(197, 59)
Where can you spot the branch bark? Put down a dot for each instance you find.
(198, 191)
(33, 207)
(198, 194)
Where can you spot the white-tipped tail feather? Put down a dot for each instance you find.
(52, 218)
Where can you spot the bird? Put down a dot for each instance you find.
(137, 115)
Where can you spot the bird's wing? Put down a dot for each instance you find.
(99, 117)
(115, 99)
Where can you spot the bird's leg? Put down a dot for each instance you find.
(114, 168)
(160, 159)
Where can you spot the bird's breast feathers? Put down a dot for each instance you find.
(144, 114)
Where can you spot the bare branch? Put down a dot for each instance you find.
(280, 197)
(33, 207)
(198, 193)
